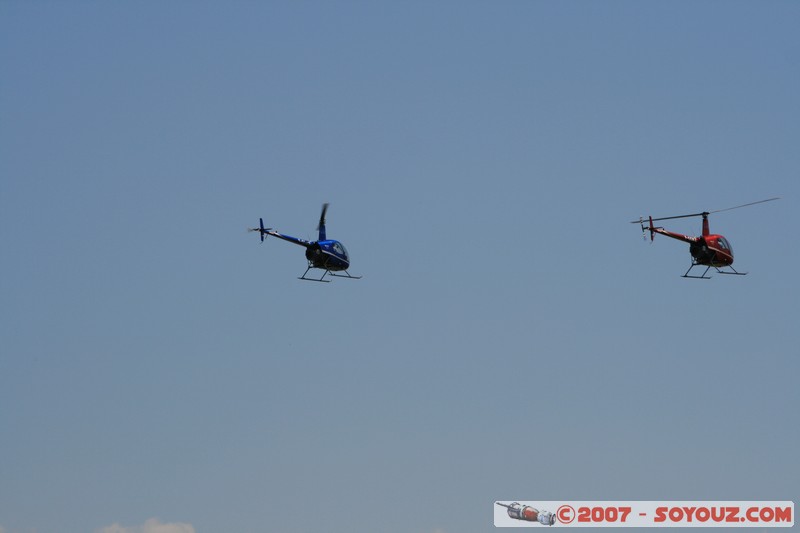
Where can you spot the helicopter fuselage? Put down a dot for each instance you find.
(713, 250)
(328, 255)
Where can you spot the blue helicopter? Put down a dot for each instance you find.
(325, 254)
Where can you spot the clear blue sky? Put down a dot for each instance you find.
(512, 337)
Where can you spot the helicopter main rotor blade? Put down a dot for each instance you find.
(745, 205)
(706, 213)
(321, 226)
(670, 218)
(322, 216)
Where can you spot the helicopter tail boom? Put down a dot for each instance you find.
(661, 231)
(265, 232)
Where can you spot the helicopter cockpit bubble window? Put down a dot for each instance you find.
(724, 244)
(340, 249)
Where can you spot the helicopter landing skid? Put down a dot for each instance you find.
(303, 277)
(734, 273)
(346, 275)
(703, 275)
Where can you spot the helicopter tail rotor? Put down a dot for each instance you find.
(645, 228)
(263, 232)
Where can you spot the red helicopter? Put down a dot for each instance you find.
(709, 250)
